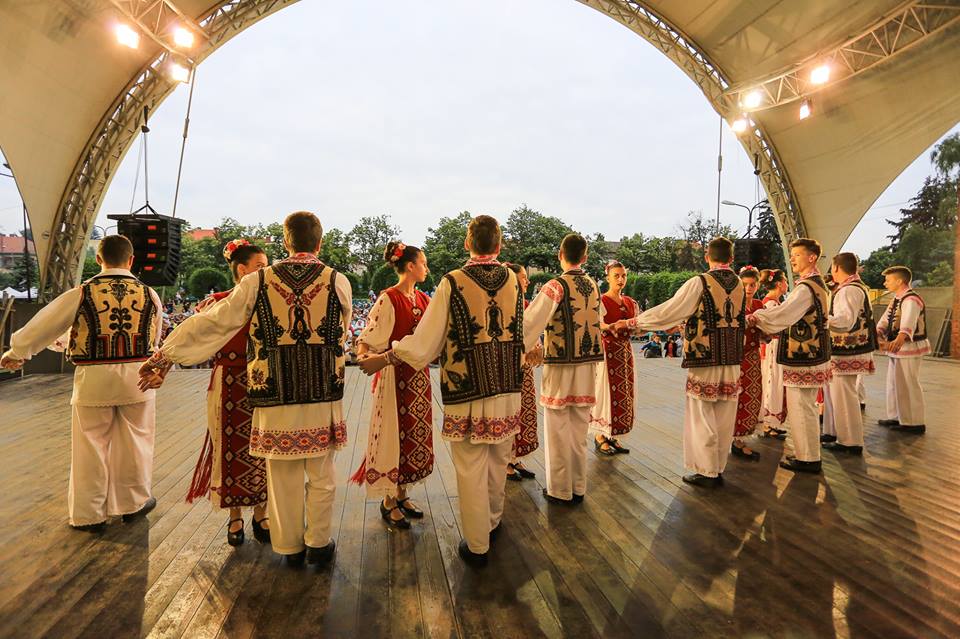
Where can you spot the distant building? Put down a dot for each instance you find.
(11, 250)
(202, 234)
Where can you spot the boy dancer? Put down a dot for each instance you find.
(803, 351)
(475, 325)
(299, 313)
(903, 335)
(567, 313)
(712, 305)
(854, 338)
(115, 323)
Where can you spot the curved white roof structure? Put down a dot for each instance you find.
(71, 99)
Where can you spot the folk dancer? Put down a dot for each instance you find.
(475, 325)
(803, 351)
(713, 307)
(114, 323)
(750, 400)
(903, 336)
(567, 313)
(774, 396)
(854, 338)
(226, 471)
(400, 442)
(527, 439)
(618, 370)
(298, 311)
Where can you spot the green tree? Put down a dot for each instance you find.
(940, 275)
(7, 279)
(922, 249)
(444, 244)
(934, 206)
(369, 237)
(335, 251)
(24, 270)
(384, 277)
(533, 239)
(90, 267)
(697, 233)
(599, 252)
(206, 279)
(872, 267)
(198, 254)
(767, 230)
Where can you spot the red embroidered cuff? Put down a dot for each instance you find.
(159, 360)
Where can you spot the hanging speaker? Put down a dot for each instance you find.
(752, 251)
(156, 246)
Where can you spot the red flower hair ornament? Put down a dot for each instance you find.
(232, 246)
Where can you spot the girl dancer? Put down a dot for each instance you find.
(526, 441)
(750, 399)
(619, 362)
(774, 400)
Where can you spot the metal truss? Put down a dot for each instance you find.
(907, 26)
(156, 19)
(697, 65)
(119, 128)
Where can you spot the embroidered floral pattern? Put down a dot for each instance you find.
(480, 429)
(554, 290)
(806, 378)
(569, 400)
(299, 442)
(712, 391)
(851, 366)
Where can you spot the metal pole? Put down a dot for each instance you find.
(719, 171)
(26, 253)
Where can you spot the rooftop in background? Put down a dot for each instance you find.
(201, 234)
(10, 244)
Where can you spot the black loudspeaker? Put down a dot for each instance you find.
(755, 252)
(156, 246)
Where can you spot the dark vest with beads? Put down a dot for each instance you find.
(807, 342)
(862, 338)
(714, 334)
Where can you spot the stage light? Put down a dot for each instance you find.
(178, 72)
(740, 124)
(820, 74)
(183, 37)
(127, 36)
(753, 99)
(805, 109)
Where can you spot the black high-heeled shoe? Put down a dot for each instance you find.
(401, 523)
(235, 538)
(410, 511)
(260, 533)
(609, 450)
(524, 473)
(513, 474)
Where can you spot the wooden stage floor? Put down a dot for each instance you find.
(869, 549)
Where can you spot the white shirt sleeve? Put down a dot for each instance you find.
(909, 315)
(158, 304)
(538, 314)
(47, 326)
(345, 292)
(380, 321)
(846, 307)
(675, 310)
(426, 342)
(201, 335)
(778, 318)
(882, 322)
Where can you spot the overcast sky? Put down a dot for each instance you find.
(423, 109)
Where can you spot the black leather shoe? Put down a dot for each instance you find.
(827, 439)
(260, 533)
(863, 407)
(147, 507)
(296, 559)
(842, 448)
(821, 418)
(321, 555)
(703, 481)
(409, 510)
(797, 466)
(609, 451)
(496, 531)
(774, 433)
(618, 448)
(740, 452)
(401, 523)
(472, 558)
(887, 423)
(556, 500)
(577, 499)
(526, 474)
(91, 528)
(235, 538)
(513, 474)
(904, 428)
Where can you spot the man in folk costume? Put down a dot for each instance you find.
(712, 305)
(299, 314)
(803, 351)
(475, 325)
(903, 336)
(567, 311)
(114, 323)
(854, 338)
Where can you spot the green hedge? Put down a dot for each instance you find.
(205, 279)
(651, 289)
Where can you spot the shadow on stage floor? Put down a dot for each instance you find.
(869, 549)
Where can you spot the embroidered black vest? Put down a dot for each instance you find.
(714, 334)
(295, 346)
(116, 322)
(894, 315)
(807, 342)
(862, 338)
(573, 334)
(484, 343)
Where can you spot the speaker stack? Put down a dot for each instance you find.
(752, 251)
(156, 246)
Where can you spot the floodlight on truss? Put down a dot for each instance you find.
(806, 109)
(741, 124)
(820, 74)
(178, 72)
(752, 99)
(183, 37)
(127, 35)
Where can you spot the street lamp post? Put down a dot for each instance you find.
(750, 210)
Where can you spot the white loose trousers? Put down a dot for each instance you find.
(481, 479)
(803, 424)
(708, 434)
(845, 413)
(300, 512)
(565, 449)
(904, 394)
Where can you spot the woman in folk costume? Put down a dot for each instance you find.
(226, 471)
(526, 441)
(750, 399)
(774, 412)
(400, 442)
(619, 364)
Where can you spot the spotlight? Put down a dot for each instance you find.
(753, 99)
(805, 109)
(127, 36)
(820, 74)
(178, 72)
(740, 124)
(183, 37)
